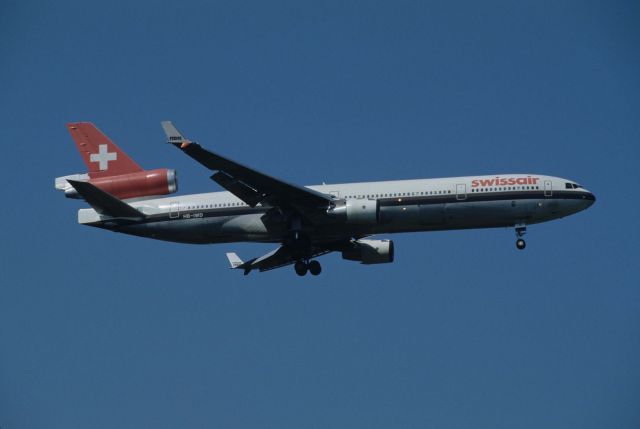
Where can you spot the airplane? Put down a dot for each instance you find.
(306, 221)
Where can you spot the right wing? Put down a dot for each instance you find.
(277, 258)
(250, 185)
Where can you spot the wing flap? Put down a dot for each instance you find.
(238, 188)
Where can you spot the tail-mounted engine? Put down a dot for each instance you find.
(359, 211)
(370, 251)
(144, 183)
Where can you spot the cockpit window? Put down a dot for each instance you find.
(572, 185)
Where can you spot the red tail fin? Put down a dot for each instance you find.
(102, 156)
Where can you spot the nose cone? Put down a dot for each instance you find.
(591, 197)
(588, 198)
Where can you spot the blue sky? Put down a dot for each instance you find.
(104, 330)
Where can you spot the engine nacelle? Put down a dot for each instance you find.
(133, 185)
(361, 211)
(370, 251)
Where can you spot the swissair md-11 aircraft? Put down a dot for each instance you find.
(306, 221)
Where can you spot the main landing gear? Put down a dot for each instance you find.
(521, 230)
(302, 267)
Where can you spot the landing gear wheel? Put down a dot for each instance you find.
(521, 244)
(301, 268)
(315, 268)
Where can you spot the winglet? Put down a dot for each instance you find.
(173, 135)
(105, 203)
(234, 260)
(236, 263)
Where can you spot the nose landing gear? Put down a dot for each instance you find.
(521, 230)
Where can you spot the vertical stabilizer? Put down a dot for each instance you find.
(102, 156)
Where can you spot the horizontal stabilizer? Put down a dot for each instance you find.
(105, 203)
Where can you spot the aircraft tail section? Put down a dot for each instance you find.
(102, 156)
(105, 203)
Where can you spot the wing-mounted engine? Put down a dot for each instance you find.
(146, 183)
(357, 211)
(370, 251)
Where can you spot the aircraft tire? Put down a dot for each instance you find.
(301, 268)
(521, 244)
(315, 268)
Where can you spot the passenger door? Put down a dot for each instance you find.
(461, 192)
(174, 210)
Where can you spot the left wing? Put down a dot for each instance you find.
(250, 185)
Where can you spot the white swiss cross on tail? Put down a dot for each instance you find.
(103, 157)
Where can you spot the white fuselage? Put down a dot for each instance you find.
(397, 206)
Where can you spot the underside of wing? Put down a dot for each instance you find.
(280, 257)
(250, 185)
